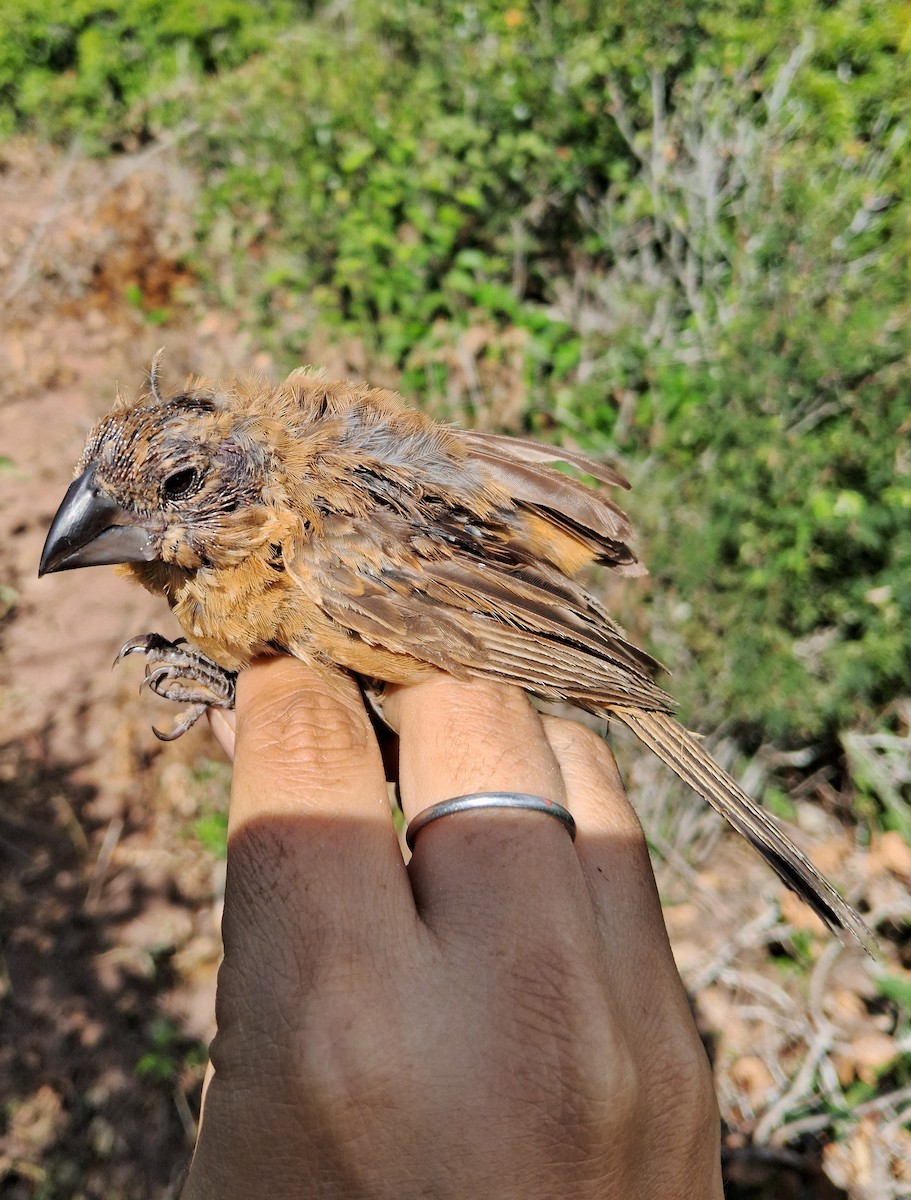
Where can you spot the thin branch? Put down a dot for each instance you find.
(767, 1129)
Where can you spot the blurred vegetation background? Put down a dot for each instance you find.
(675, 233)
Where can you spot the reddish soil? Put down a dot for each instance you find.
(109, 903)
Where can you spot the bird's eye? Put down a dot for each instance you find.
(181, 483)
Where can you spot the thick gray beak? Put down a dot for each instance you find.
(90, 530)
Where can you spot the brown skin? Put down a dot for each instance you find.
(502, 1016)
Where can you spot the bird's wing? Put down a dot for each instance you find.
(474, 617)
(525, 469)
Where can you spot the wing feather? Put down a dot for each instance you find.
(506, 621)
(525, 470)
(518, 449)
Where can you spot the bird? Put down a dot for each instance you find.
(329, 520)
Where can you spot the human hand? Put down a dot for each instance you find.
(502, 1017)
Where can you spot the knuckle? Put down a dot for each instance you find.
(488, 710)
(493, 723)
(582, 748)
(682, 1107)
(346, 1056)
(685, 1071)
(280, 725)
(582, 1052)
(554, 990)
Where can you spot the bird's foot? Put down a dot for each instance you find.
(182, 675)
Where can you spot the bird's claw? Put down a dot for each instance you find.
(182, 675)
(186, 721)
(148, 644)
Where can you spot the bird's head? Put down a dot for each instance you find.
(178, 481)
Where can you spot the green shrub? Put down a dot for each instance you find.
(78, 68)
(423, 166)
(782, 513)
(791, 548)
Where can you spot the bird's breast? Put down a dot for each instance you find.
(235, 614)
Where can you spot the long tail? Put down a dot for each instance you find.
(695, 766)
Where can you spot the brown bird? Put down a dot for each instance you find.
(329, 521)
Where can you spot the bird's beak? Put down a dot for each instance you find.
(90, 530)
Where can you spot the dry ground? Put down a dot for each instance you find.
(109, 900)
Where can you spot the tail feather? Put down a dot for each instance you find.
(683, 753)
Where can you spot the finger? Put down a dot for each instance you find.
(600, 803)
(458, 739)
(609, 838)
(222, 723)
(309, 805)
(640, 974)
(303, 746)
(614, 856)
(315, 887)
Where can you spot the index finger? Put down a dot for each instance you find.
(309, 801)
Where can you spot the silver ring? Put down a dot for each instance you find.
(489, 800)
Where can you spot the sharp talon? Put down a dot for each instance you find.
(133, 646)
(187, 721)
(151, 678)
(144, 644)
(175, 733)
